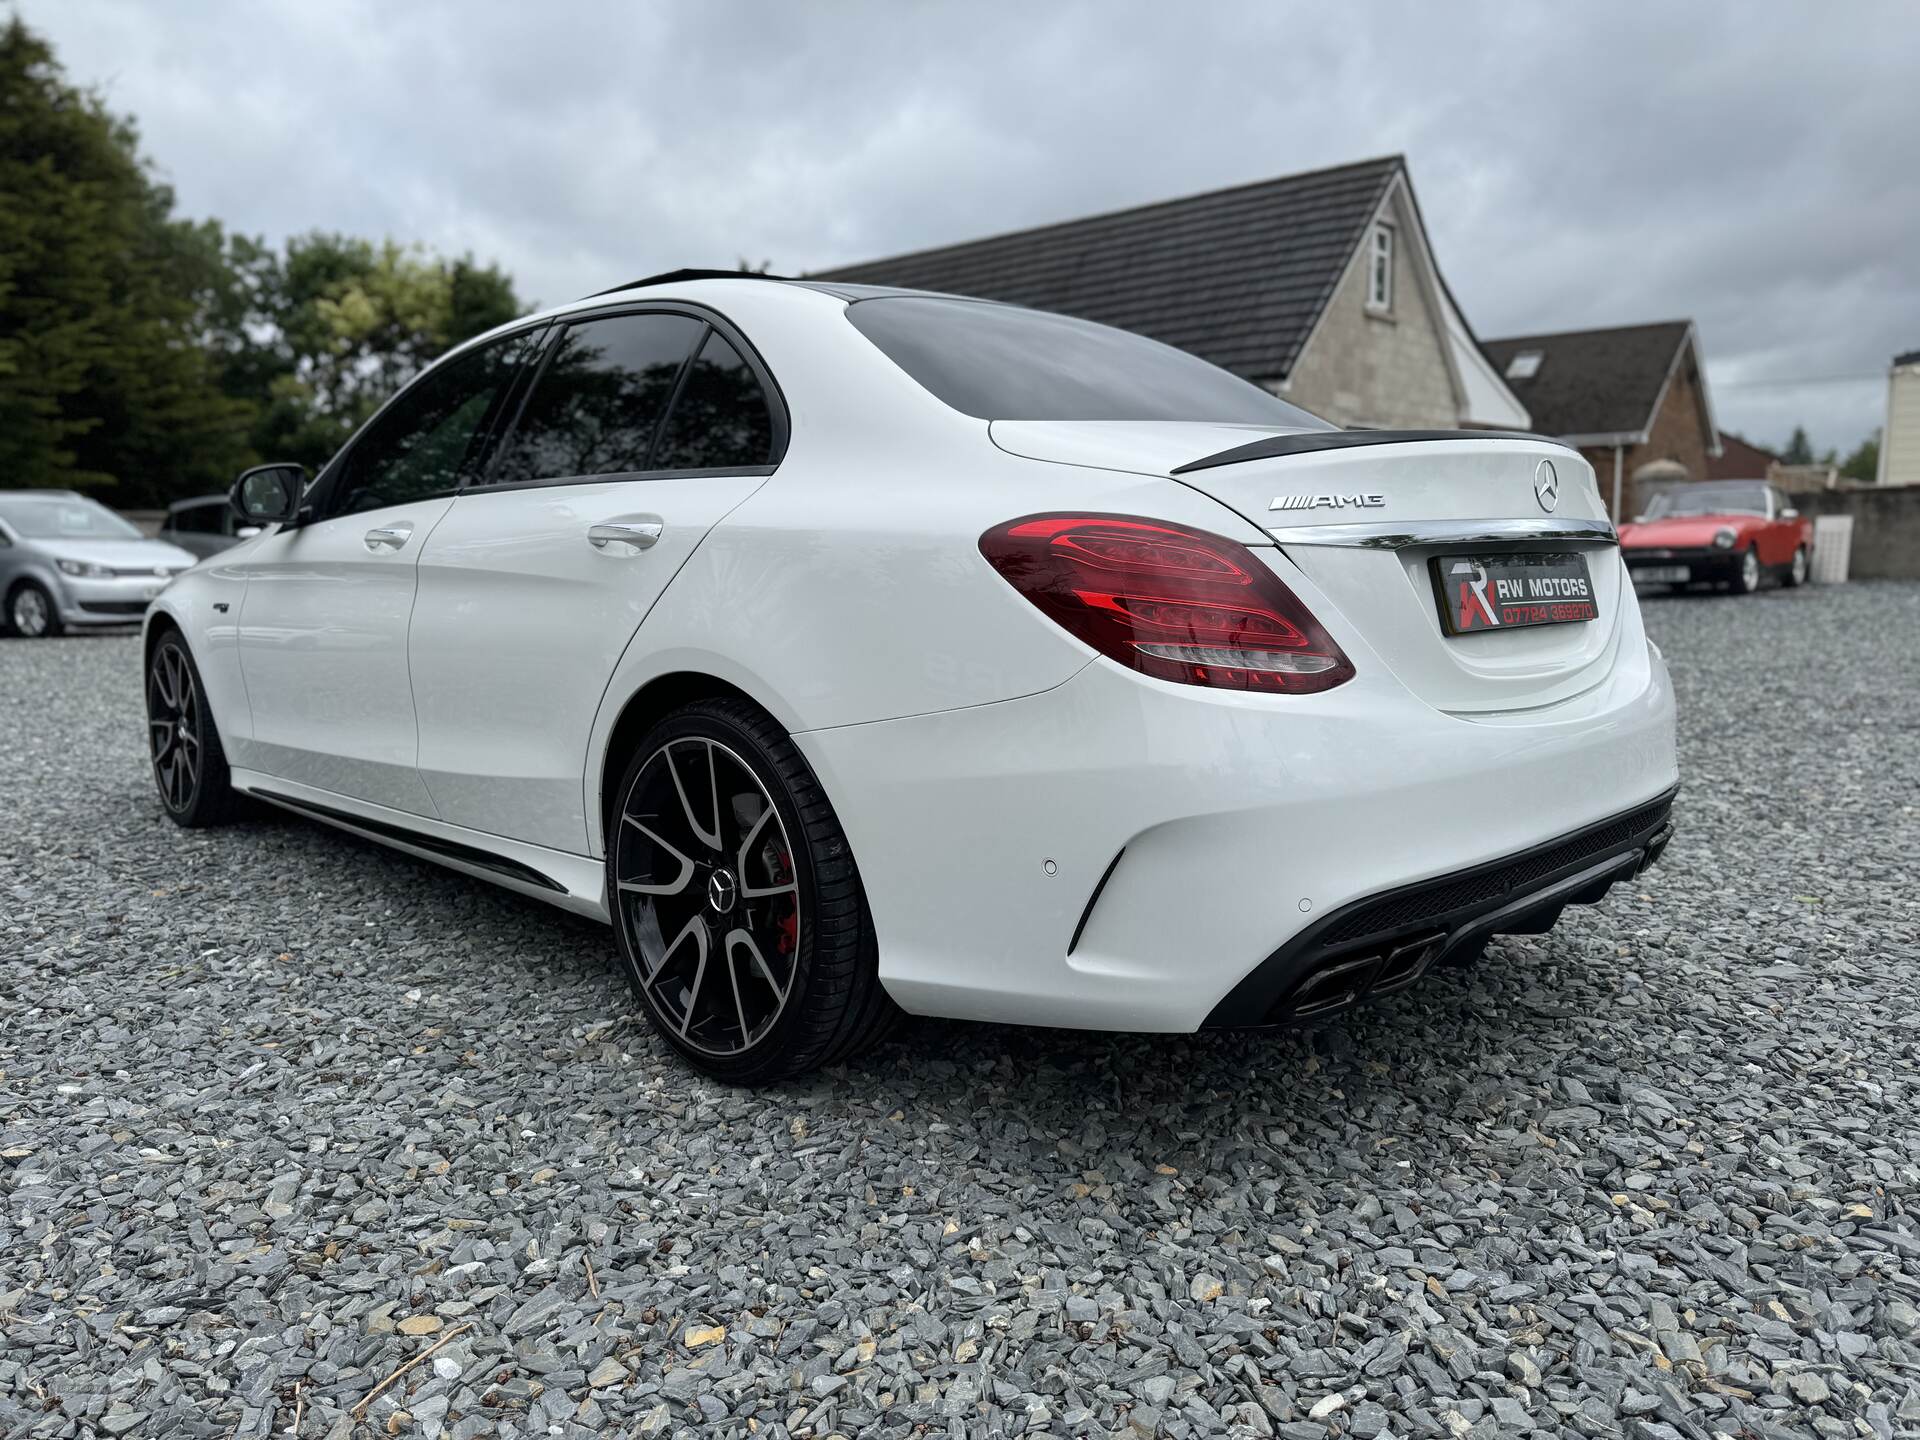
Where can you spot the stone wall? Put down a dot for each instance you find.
(1886, 527)
(1380, 371)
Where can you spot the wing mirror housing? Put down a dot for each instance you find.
(1789, 514)
(269, 494)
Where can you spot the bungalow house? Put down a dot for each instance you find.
(1741, 459)
(1322, 287)
(1632, 399)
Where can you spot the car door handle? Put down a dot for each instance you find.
(389, 537)
(639, 534)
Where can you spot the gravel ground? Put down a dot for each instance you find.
(281, 1113)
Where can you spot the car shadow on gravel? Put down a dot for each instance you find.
(385, 868)
(1458, 1021)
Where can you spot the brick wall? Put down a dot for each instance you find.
(1677, 434)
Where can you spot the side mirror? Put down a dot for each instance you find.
(1639, 519)
(268, 494)
(1789, 514)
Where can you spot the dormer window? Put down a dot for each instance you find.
(1525, 365)
(1380, 269)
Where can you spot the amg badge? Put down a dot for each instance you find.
(1332, 502)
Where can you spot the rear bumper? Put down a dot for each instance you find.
(1125, 854)
(1387, 942)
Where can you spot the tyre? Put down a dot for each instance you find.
(189, 765)
(31, 613)
(741, 923)
(1749, 578)
(1796, 575)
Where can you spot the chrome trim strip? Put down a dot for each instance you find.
(1385, 535)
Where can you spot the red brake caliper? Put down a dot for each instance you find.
(790, 922)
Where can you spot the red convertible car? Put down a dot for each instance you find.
(1726, 532)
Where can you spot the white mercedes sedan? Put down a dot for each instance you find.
(854, 651)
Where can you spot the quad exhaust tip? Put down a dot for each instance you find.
(1346, 982)
(1656, 847)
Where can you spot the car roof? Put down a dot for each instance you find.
(845, 290)
(699, 286)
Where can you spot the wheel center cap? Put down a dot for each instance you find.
(722, 891)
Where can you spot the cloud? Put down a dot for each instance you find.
(1749, 166)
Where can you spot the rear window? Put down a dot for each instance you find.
(1000, 362)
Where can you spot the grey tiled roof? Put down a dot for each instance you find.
(1235, 276)
(1593, 382)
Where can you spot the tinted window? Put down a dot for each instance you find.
(198, 519)
(598, 399)
(424, 442)
(721, 420)
(1004, 363)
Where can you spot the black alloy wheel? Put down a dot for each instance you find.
(735, 899)
(189, 766)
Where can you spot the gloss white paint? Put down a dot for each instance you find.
(517, 624)
(475, 675)
(323, 652)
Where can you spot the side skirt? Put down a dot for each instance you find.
(576, 883)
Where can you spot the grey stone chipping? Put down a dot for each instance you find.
(280, 1112)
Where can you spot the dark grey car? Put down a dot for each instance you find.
(205, 525)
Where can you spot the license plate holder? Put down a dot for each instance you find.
(1513, 591)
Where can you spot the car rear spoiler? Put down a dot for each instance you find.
(1308, 442)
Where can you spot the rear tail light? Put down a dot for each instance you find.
(1178, 604)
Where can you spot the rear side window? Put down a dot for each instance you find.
(721, 419)
(598, 400)
(1000, 362)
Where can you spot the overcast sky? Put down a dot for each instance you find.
(1753, 166)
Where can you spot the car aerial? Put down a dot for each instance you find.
(1730, 533)
(66, 560)
(205, 525)
(854, 651)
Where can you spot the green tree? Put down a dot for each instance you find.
(103, 300)
(1799, 450)
(1863, 464)
(349, 322)
(152, 357)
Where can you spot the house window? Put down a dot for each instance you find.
(1380, 269)
(1524, 366)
